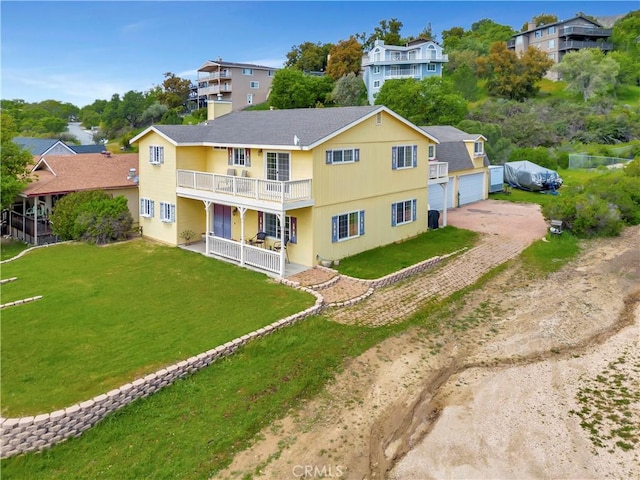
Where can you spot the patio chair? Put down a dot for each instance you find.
(258, 239)
(278, 246)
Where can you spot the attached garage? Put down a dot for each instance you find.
(471, 188)
(436, 196)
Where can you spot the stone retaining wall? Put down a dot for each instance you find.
(28, 434)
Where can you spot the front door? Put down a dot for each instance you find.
(222, 220)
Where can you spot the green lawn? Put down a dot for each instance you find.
(112, 314)
(382, 261)
(11, 248)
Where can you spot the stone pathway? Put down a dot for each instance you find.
(396, 302)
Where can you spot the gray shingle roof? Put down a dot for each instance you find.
(37, 146)
(269, 127)
(452, 148)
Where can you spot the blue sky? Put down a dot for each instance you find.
(80, 51)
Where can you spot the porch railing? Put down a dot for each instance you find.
(438, 170)
(255, 256)
(254, 188)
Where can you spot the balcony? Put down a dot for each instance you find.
(395, 60)
(585, 32)
(203, 77)
(244, 191)
(438, 172)
(214, 89)
(581, 44)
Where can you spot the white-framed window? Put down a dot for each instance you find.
(379, 118)
(167, 212)
(551, 43)
(254, 85)
(552, 56)
(538, 34)
(272, 225)
(376, 69)
(376, 84)
(270, 73)
(404, 156)
(432, 152)
(478, 148)
(403, 212)
(250, 99)
(156, 155)
(247, 71)
(551, 30)
(146, 208)
(239, 157)
(345, 155)
(431, 67)
(347, 226)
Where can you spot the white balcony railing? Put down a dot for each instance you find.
(245, 187)
(438, 171)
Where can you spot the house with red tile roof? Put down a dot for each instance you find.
(55, 176)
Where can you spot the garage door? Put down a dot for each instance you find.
(436, 194)
(471, 188)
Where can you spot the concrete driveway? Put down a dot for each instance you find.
(518, 221)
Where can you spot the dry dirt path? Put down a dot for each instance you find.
(490, 400)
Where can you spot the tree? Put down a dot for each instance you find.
(154, 113)
(512, 76)
(588, 72)
(14, 162)
(626, 41)
(175, 91)
(131, 107)
(542, 19)
(293, 89)
(344, 58)
(451, 38)
(92, 216)
(466, 82)
(308, 57)
(425, 34)
(430, 101)
(349, 90)
(387, 31)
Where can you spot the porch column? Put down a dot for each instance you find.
(282, 219)
(444, 213)
(24, 219)
(35, 222)
(207, 204)
(242, 211)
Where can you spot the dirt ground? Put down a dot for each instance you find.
(500, 393)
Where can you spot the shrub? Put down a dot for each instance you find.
(93, 216)
(621, 190)
(586, 215)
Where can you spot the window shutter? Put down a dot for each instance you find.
(415, 156)
(394, 158)
(328, 157)
(230, 156)
(293, 230)
(334, 229)
(356, 154)
(393, 215)
(161, 155)
(361, 222)
(142, 205)
(261, 221)
(151, 160)
(173, 212)
(414, 213)
(247, 157)
(151, 212)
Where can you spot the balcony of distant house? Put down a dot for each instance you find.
(585, 32)
(214, 89)
(565, 45)
(398, 58)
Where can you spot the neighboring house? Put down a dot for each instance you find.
(51, 146)
(560, 38)
(54, 176)
(468, 169)
(417, 59)
(334, 181)
(242, 83)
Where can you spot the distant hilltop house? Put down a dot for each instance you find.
(417, 59)
(243, 84)
(51, 146)
(559, 38)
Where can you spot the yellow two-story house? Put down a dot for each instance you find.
(323, 183)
